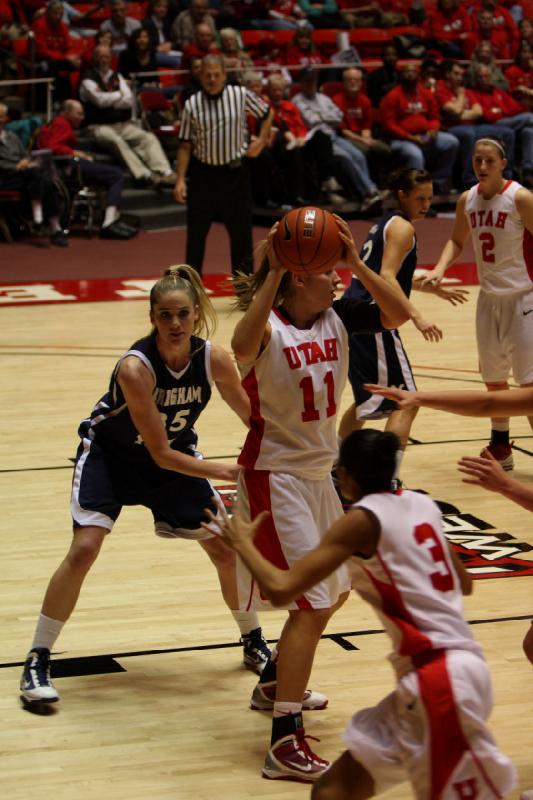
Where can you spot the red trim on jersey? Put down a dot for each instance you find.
(392, 605)
(252, 445)
(505, 186)
(447, 742)
(527, 249)
(281, 317)
(267, 539)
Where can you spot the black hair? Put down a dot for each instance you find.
(407, 179)
(369, 457)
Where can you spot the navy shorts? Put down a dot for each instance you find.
(103, 483)
(377, 358)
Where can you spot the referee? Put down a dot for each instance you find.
(211, 154)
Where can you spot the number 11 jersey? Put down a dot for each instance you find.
(295, 387)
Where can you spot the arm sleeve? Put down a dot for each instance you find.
(255, 106)
(185, 133)
(359, 316)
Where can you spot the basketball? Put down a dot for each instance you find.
(307, 241)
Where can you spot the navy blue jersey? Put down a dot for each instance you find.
(372, 254)
(179, 396)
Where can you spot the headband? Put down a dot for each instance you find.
(486, 140)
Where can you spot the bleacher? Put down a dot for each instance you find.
(23, 76)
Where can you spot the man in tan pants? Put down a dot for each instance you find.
(108, 102)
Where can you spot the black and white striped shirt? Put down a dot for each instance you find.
(217, 126)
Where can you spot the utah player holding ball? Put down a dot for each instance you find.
(498, 214)
(291, 347)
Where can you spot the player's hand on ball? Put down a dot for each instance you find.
(402, 397)
(274, 262)
(350, 255)
(484, 471)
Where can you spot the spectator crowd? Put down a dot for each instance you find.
(354, 88)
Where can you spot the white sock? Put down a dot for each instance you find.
(399, 456)
(54, 224)
(246, 620)
(37, 212)
(111, 214)
(47, 631)
(499, 424)
(282, 709)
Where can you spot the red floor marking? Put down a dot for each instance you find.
(99, 290)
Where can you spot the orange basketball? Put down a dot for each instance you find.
(307, 241)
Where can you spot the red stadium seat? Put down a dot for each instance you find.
(370, 41)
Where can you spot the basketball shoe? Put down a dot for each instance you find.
(35, 683)
(503, 453)
(291, 758)
(256, 651)
(264, 694)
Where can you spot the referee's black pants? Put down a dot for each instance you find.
(221, 193)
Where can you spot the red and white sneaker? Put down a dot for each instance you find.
(502, 453)
(264, 694)
(291, 758)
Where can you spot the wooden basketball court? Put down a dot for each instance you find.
(154, 698)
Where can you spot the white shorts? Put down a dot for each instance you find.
(504, 329)
(302, 511)
(431, 730)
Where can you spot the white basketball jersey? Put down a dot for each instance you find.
(410, 581)
(502, 246)
(295, 388)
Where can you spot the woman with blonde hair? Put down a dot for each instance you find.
(138, 447)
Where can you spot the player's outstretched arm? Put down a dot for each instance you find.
(229, 384)
(454, 295)
(136, 383)
(505, 403)
(394, 306)
(400, 235)
(489, 474)
(252, 332)
(355, 532)
(453, 247)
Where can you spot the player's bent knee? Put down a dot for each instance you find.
(85, 549)
(220, 554)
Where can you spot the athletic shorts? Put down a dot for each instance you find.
(301, 512)
(432, 731)
(377, 358)
(504, 329)
(102, 484)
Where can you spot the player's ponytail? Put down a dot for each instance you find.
(369, 457)
(182, 277)
(246, 286)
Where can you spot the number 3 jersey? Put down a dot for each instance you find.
(502, 246)
(410, 581)
(179, 396)
(295, 387)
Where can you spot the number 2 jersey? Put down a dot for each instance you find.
(410, 581)
(295, 387)
(502, 246)
(179, 396)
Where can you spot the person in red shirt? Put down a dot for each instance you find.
(306, 161)
(486, 31)
(204, 45)
(59, 136)
(53, 47)
(501, 108)
(520, 75)
(303, 52)
(447, 27)
(410, 120)
(502, 20)
(462, 115)
(356, 125)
